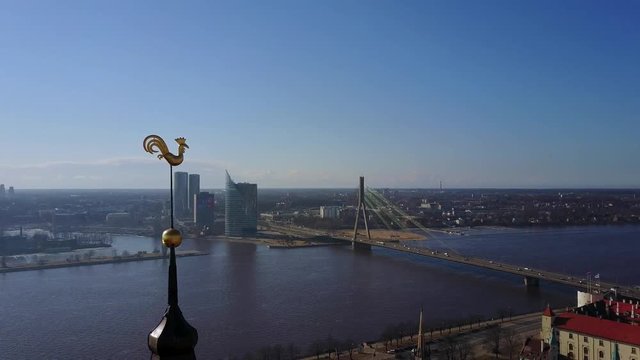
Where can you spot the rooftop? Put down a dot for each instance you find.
(601, 328)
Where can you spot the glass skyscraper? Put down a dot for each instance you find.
(194, 189)
(181, 193)
(241, 208)
(203, 214)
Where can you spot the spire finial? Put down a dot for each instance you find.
(173, 338)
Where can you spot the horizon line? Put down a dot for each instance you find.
(355, 187)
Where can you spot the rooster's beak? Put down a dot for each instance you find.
(187, 146)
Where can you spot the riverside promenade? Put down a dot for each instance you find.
(524, 326)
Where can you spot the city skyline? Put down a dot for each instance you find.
(309, 95)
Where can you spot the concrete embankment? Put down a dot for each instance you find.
(98, 261)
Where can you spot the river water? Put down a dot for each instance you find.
(243, 296)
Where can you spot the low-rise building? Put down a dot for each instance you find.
(607, 329)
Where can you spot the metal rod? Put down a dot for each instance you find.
(173, 272)
(171, 190)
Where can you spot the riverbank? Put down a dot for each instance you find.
(274, 243)
(473, 334)
(99, 261)
(289, 245)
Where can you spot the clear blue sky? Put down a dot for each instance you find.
(315, 93)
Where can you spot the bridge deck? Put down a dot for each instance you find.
(503, 267)
(478, 262)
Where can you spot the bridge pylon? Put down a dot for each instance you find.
(361, 206)
(530, 281)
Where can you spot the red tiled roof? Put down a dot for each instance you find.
(548, 311)
(624, 307)
(592, 326)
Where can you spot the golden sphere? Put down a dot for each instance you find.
(171, 238)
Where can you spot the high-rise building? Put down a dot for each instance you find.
(181, 193)
(194, 189)
(3, 192)
(11, 191)
(241, 208)
(203, 212)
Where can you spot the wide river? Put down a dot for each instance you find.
(243, 296)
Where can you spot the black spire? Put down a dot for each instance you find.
(173, 338)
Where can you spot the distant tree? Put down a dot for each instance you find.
(263, 353)
(401, 330)
(292, 351)
(331, 345)
(349, 345)
(398, 332)
(277, 352)
(473, 319)
(388, 335)
(502, 313)
(492, 340)
(512, 342)
(450, 348)
(412, 329)
(316, 348)
(464, 350)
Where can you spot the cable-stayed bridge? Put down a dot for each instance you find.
(393, 217)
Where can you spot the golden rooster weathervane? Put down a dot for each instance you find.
(154, 143)
(173, 338)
